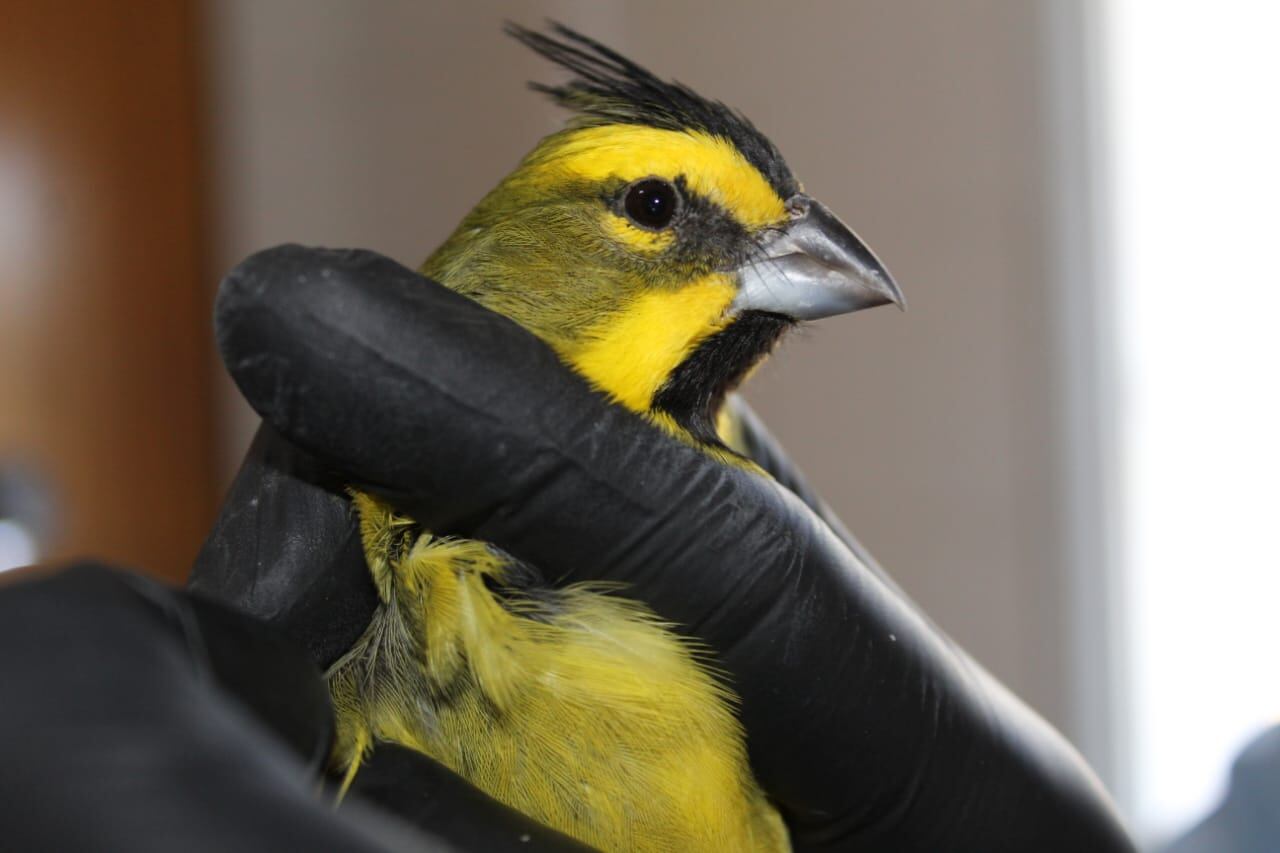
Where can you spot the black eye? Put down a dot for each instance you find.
(651, 203)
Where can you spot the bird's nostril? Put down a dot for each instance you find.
(798, 205)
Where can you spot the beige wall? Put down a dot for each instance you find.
(378, 124)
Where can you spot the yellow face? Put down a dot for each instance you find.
(631, 353)
(623, 300)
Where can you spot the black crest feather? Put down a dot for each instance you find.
(608, 88)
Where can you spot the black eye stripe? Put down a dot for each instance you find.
(651, 203)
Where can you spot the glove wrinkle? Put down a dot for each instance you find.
(314, 586)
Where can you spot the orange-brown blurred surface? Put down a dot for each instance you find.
(104, 365)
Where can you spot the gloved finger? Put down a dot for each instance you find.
(286, 545)
(133, 718)
(286, 549)
(751, 438)
(865, 724)
(426, 794)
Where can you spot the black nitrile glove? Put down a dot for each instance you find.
(870, 729)
(137, 717)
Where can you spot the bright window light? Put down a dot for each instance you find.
(1194, 151)
(17, 545)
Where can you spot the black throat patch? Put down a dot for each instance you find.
(695, 390)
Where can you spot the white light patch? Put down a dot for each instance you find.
(1195, 151)
(17, 545)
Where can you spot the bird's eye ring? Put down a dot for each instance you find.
(651, 203)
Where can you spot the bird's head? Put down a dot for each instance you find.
(659, 243)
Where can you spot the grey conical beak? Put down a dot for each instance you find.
(814, 267)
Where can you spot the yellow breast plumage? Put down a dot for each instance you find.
(573, 706)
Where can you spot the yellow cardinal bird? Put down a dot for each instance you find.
(661, 246)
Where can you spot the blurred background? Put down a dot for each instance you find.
(1066, 450)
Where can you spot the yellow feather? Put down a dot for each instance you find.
(583, 710)
(711, 165)
(632, 353)
(645, 242)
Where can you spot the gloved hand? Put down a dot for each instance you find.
(134, 716)
(869, 728)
